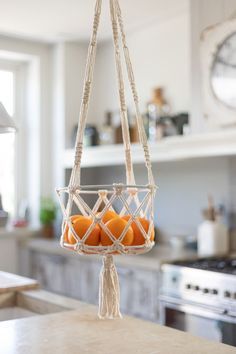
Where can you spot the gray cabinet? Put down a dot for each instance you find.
(139, 293)
(49, 270)
(79, 278)
(8, 254)
(82, 279)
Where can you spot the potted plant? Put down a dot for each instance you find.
(48, 210)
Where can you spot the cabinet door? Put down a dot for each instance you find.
(139, 291)
(8, 255)
(125, 280)
(145, 294)
(82, 279)
(49, 271)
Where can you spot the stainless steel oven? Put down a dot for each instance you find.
(200, 297)
(205, 321)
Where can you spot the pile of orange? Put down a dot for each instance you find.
(115, 224)
(80, 225)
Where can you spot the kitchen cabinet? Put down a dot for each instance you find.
(13, 249)
(82, 278)
(79, 278)
(49, 271)
(139, 292)
(8, 254)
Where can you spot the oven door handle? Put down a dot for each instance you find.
(198, 310)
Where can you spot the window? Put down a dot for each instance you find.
(7, 144)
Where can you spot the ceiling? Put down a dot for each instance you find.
(55, 20)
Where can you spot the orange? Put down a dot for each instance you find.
(81, 226)
(109, 214)
(126, 217)
(65, 235)
(116, 226)
(138, 235)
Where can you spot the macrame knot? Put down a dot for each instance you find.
(115, 29)
(122, 100)
(78, 153)
(119, 188)
(119, 247)
(79, 247)
(108, 262)
(102, 193)
(86, 92)
(135, 95)
(96, 21)
(72, 190)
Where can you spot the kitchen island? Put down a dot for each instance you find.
(48, 323)
(80, 331)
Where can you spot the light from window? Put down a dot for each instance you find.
(7, 144)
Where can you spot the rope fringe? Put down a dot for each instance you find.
(109, 290)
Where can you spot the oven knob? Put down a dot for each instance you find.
(227, 294)
(188, 286)
(205, 291)
(196, 287)
(214, 291)
(174, 279)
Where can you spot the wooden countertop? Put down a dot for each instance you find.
(12, 282)
(81, 331)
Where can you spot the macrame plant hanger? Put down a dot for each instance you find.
(127, 194)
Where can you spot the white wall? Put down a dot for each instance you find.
(160, 54)
(74, 61)
(183, 190)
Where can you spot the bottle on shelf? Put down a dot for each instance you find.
(107, 133)
(212, 235)
(160, 123)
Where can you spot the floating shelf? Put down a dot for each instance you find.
(169, 149)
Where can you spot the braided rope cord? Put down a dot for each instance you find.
(123, 107)
(75, 175)
(141, 130)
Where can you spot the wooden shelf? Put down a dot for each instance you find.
(169, 149)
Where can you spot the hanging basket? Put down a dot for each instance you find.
(121, 219)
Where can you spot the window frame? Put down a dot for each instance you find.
(19, 69)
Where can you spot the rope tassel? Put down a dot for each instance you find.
(109, 290)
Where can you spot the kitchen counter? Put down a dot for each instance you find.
(80, 331)
(62, 325)
(12, 282)
(18, 232)
(150, 261)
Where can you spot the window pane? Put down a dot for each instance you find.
(7, 151)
